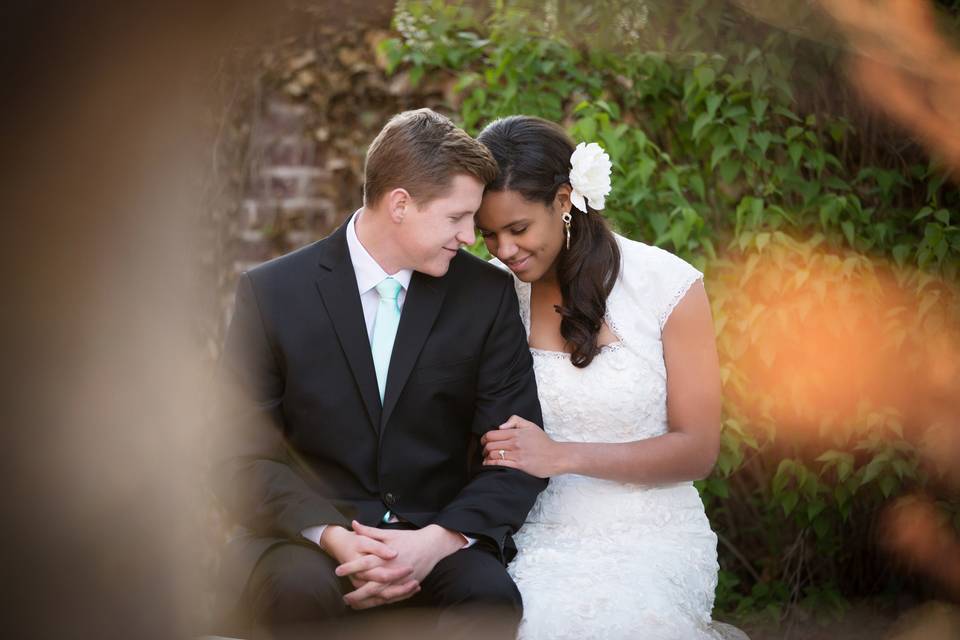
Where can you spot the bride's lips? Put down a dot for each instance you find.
(518, 265)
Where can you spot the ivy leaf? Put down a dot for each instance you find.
(762, 240)
(704, 76)
(719, 153)
(718, 487)
(795, 151)
(900, 254)
(759, 106)
(763, 139)
(789, 501)
(739, 135)
(821, 526)
(729, 169)
(702, 121)
(815, 508)
(696, 183)
(713, 101)
(793, 132)
(848, 231)
(888, 484)
(780, 478)
(872, 470)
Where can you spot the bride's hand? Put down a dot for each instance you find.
(524, 446)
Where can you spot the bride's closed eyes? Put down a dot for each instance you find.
(514, 231)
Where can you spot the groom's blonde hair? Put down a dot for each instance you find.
(421, 151)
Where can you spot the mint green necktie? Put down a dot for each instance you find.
(385, 329)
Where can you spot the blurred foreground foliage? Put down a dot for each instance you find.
(830, 243)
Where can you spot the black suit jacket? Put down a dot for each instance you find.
(308, 441)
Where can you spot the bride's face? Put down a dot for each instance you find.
(526, 236)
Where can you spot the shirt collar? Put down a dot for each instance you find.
(369, 273)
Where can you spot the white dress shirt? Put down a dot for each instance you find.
(369, 274)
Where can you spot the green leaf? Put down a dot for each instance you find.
(781, 477)
(902, 468)
(704, 76)
(872, 470)
(793, 132)
(713, 101)
(845, 468)
(763, 139)
(729, 169)
(696, 183)
(795, 151)
(739, 134)
(762, 240)
(719, 153)
(888, 484)
(702, 121)
(821, 527)
(815, 508)
(900, 254)
(587, 128)
(783, 111)
(789, 501)
(718, 487)
(829, 456)
(923, 213)
(759, 106)
(848, 231)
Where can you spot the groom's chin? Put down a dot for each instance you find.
(438, 268)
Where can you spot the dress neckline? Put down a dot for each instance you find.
(565, 355)
(523, 289)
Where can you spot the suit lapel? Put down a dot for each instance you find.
(420, 309)
(337, 284)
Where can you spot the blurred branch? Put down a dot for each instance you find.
(905, 68)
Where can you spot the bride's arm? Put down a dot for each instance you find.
(687, 451)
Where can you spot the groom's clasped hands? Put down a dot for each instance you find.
(386, 565)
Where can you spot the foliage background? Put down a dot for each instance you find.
(828, 238)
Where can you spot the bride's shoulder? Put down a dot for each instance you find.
(497, 263)
(652, 278)
(641, 259)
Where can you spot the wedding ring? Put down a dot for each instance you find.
(502, 452)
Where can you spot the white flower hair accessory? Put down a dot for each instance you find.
(590, 169)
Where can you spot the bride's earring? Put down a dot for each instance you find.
(566, 217)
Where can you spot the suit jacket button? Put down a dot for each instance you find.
(390, 499)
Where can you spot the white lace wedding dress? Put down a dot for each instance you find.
(603, 559)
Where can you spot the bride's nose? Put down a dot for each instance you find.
(506, 250)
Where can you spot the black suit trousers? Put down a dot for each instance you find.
(293, 593)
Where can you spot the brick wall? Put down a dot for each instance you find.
(317, 107)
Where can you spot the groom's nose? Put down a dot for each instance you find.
(467, 235)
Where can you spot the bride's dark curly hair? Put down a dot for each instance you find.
(533, 155)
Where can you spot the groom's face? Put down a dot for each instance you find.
(432, 233)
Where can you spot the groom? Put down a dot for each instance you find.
(365, 367)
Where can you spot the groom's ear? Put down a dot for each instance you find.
(397, 202)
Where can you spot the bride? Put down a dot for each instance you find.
(618, 545)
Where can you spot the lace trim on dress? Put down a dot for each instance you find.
(563, 355)
(678, 296)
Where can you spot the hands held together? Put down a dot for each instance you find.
(520, 444)
(386, 565)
